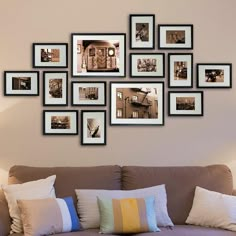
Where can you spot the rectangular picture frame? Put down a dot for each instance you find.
(21, 83)
(93, 127)
(185, 103)
(60, 122)
(214, 75)
(55, 88)
(136, 103)
(100, 55)
(175, 36)
(147, 65)
(142, 31)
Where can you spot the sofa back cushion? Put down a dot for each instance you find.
(180, 184)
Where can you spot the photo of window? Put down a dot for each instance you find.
(21, 83)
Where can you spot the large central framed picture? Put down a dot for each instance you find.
(137, 103)
(98, 55)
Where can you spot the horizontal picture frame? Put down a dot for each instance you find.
(175, 36)
(214, 75)
(185, 103)
(180, 70)
(98, 55)
(60, 122)
(50, 55)
(136, 103)
(88, 93)
(147, 65)
(142, 31)
(21, 83)
(55, 88)
(93, 127)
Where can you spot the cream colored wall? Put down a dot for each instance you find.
(182, 141)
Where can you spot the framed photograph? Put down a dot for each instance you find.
(60, 122)
(185, 103)
(50, 55)
(180, 69)
(175, 37)
(93, 127)
(217, 75)
(147, 65)
(98, 55)
(21, 83)
(55, 88)
(137, 103)
(142, 31)
(88, 93)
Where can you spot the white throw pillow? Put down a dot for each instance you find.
(89, 212)
(213, 209)
(38, 189)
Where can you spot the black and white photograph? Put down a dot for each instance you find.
(93, 127)
(60, 122)
(21, 83)
(175, 36)
(142, 31)
(217, 75)
(98, 55)
(146, 65)
(185, 103)
(55, 88)
(137, 103)
(50, 55)
(180, 70)
(88, 93)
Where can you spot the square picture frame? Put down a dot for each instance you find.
(136, 103)
(50, 55)
(180, 70)
(147, 65)
(142, 31)
(214, 75)
(185, 103)
(60, 122)
(175, 36)
(100, 55)
(93, 127)
(21, 83)
(55, 88)
(88, 93)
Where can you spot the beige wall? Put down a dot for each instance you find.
(182, 141)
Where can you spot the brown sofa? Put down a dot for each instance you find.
(180, 185)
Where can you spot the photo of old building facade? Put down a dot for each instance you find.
(185, 103)
(88, 93)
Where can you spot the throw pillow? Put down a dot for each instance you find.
(128, 215)
(48, 216)
(38, 189)
(89, 213)
(213, 209)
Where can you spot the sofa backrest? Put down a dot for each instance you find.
(180, 184)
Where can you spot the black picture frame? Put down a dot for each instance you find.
(181, 78)
(219, 75)
(158, 57)
(59, 99)
(185, 43)
(19, 87)
(99, 135)
(61, 61)
(187, 105)
(142, 45)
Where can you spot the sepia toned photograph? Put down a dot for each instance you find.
(98, 55)
(55, 88)
(21, 83)
(175, 36)
(93, 127)
(50, 55)
(137, 103)
(185, 103)
(181, 70)
(88, 93)
(60, 122)
(142, 31)
(146, 65)
(214, 75)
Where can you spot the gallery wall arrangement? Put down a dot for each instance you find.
(138, 101)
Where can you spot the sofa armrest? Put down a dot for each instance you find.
(234, 192)
(5, 220)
